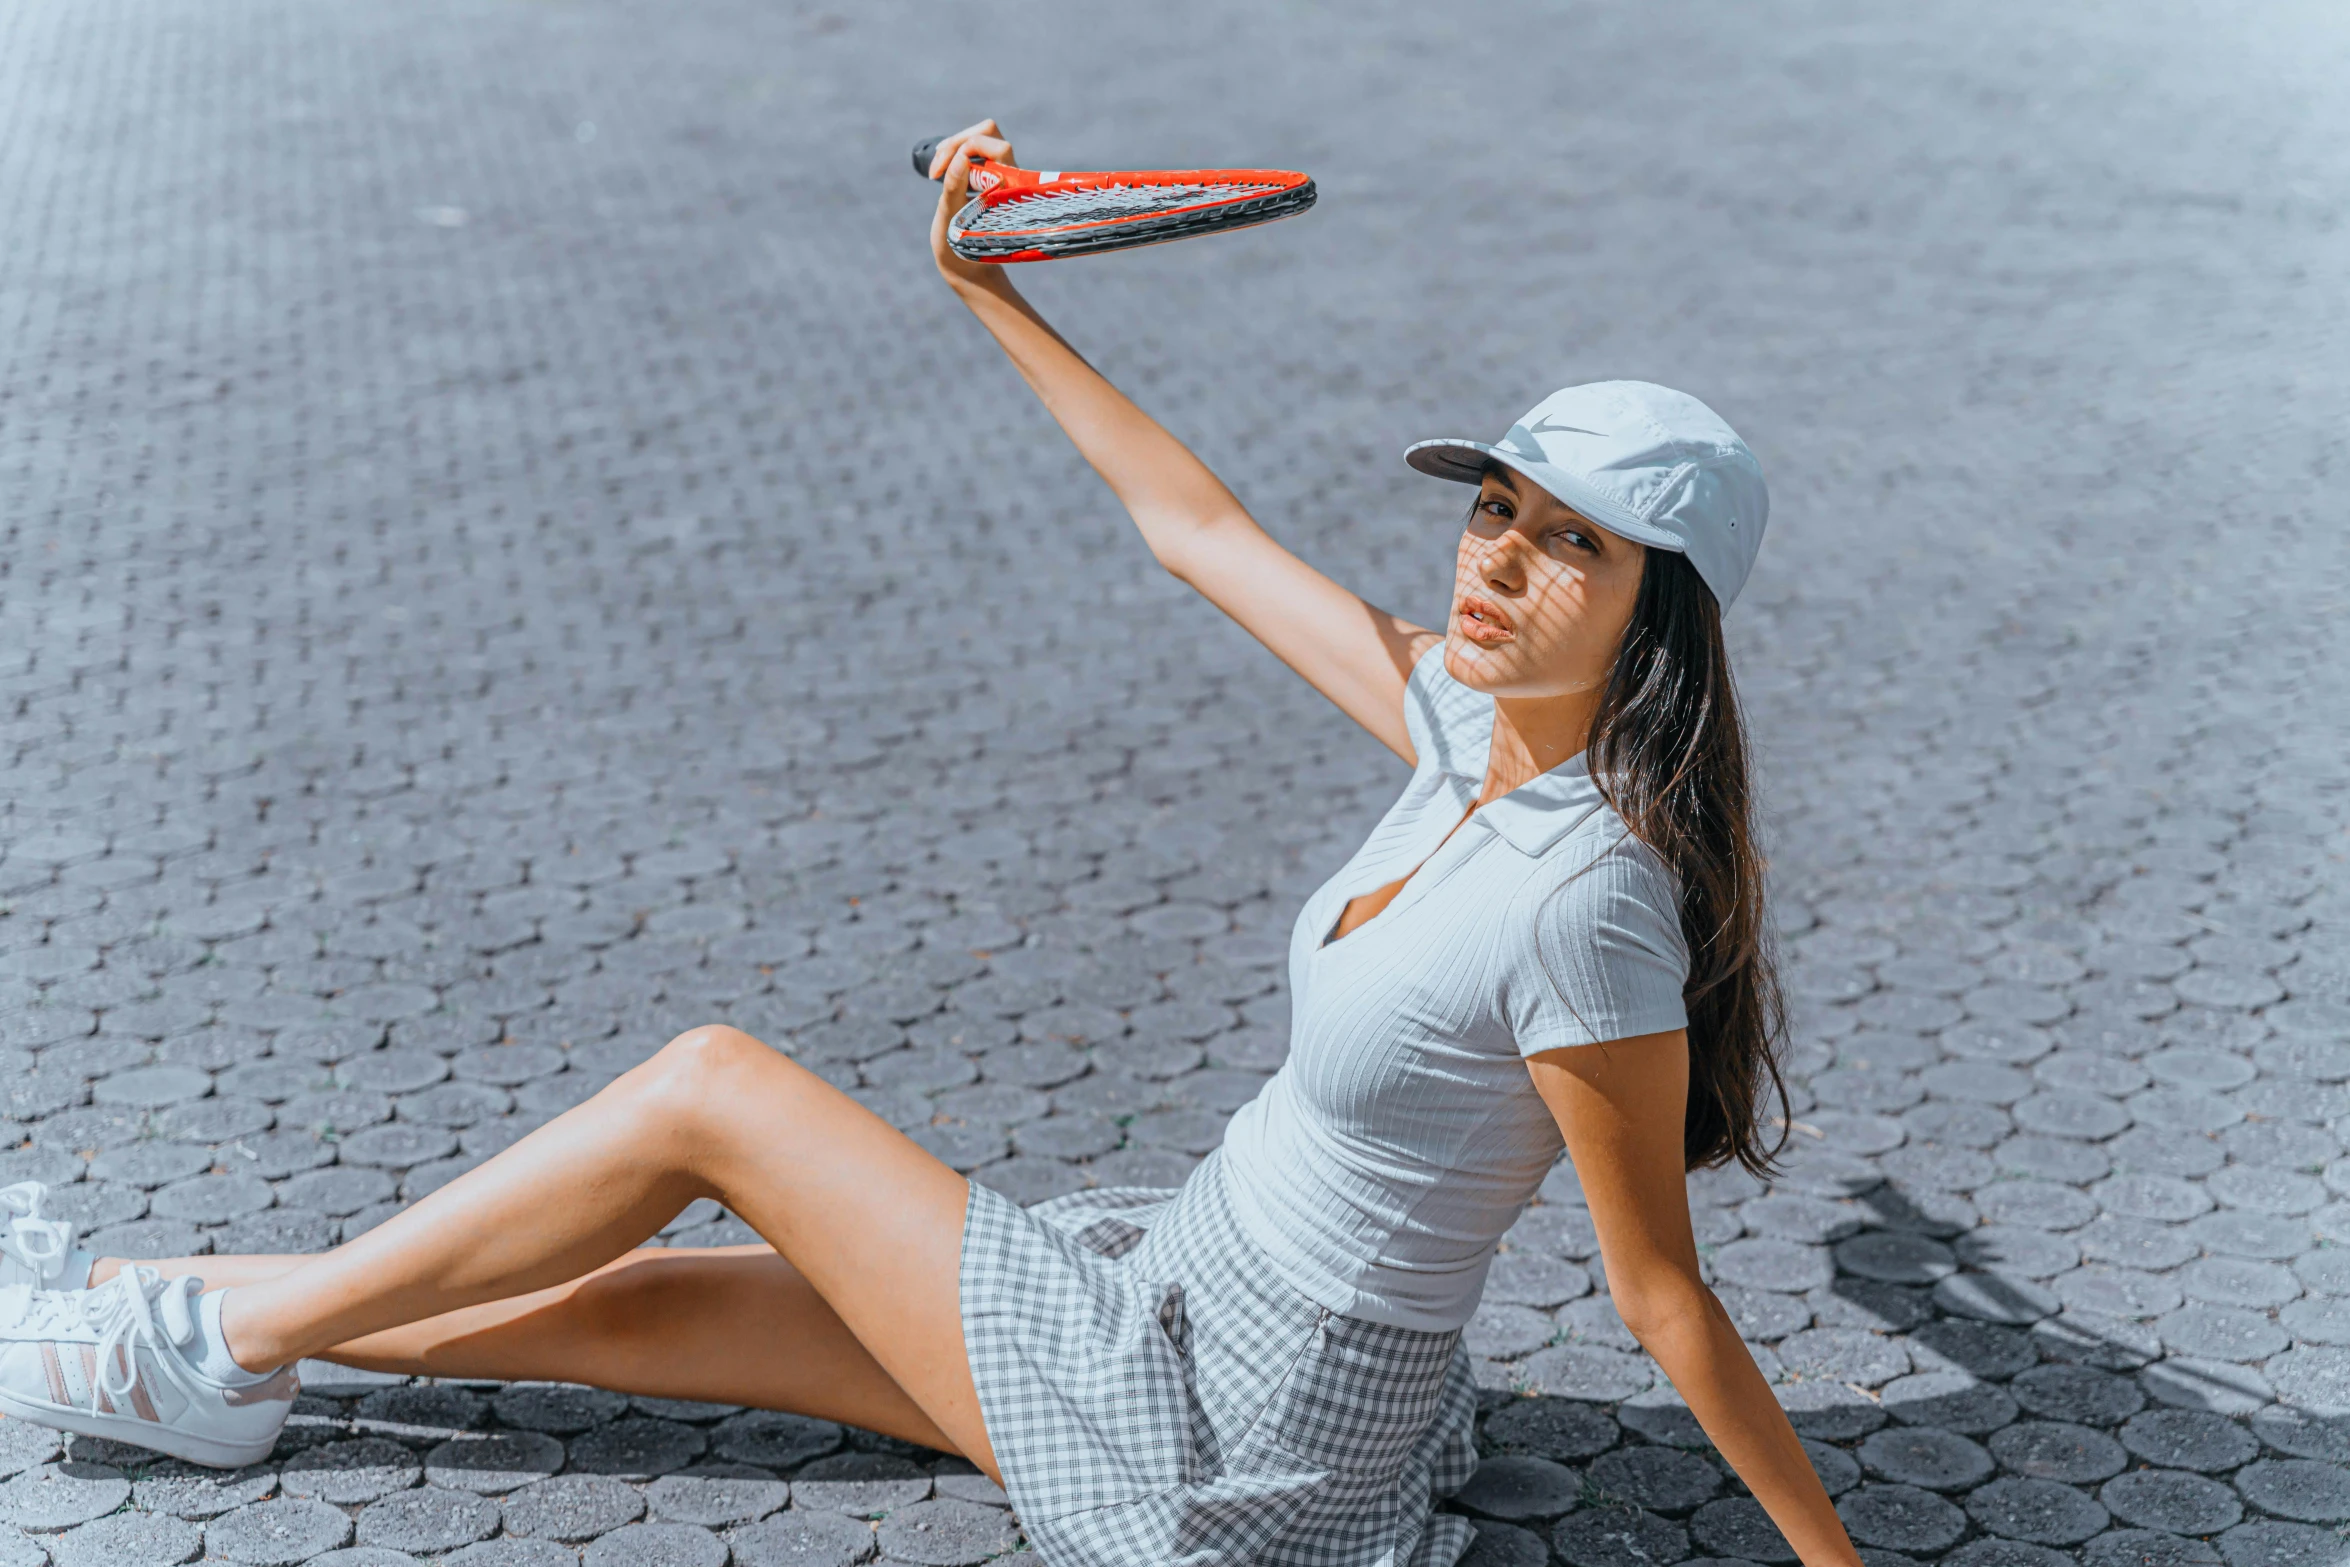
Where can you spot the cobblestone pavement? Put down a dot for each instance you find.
(508, 555)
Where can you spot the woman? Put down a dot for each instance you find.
(1555, 933)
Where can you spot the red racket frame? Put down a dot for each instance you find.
(996, 184)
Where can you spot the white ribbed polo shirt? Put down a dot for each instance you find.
(1403, 1135)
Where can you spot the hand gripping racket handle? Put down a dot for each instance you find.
(985, 176)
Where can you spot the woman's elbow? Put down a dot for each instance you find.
(1174, 560)
(1655, 1301)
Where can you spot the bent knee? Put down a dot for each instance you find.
(714, 1049)
(716, 1058)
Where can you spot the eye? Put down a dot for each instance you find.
(1575, 539)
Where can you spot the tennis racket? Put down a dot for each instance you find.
(1031, 215)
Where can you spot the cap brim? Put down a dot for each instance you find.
(1464, 462)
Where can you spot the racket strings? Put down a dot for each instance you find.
(1103, 204)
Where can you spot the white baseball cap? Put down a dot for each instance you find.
(1645, 461)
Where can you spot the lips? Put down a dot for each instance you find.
(1482, 622)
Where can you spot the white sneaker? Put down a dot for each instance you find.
(35, 1249)
(119, 1361)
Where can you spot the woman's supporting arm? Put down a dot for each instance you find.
(1620, 1107)
(1354, 654)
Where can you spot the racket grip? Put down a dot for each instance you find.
(924, 151)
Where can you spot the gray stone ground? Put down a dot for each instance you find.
(508, 555)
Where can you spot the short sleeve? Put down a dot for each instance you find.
(1606, 959)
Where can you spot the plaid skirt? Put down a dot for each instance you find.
(1156, 1397)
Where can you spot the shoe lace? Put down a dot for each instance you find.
(139, 1309)
(44, 1243)
(41, 1312)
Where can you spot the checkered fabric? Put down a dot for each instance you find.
(1156, 1397)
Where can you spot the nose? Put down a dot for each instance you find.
(1502, 565)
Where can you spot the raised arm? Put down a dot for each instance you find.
(1355, 654)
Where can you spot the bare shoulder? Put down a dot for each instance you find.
(1414, 646)
(1407, 647)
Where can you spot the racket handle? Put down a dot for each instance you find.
(924, 151)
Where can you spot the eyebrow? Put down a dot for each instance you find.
(1509, 481)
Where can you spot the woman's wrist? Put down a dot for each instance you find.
(990, 284)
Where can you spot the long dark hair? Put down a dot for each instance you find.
(1668, 751)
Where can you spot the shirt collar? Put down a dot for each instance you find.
(1531, 818)
(1534, 816)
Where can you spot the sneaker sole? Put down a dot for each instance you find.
(211, 1452)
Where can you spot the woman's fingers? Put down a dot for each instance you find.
(950, 165)
(955, 185)
(985, 138)
(957, 182)
(954, 191)
(957, 176)
(944, 153)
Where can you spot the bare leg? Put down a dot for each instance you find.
(726, 1325)
(218, 1273)
(868, 1220)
